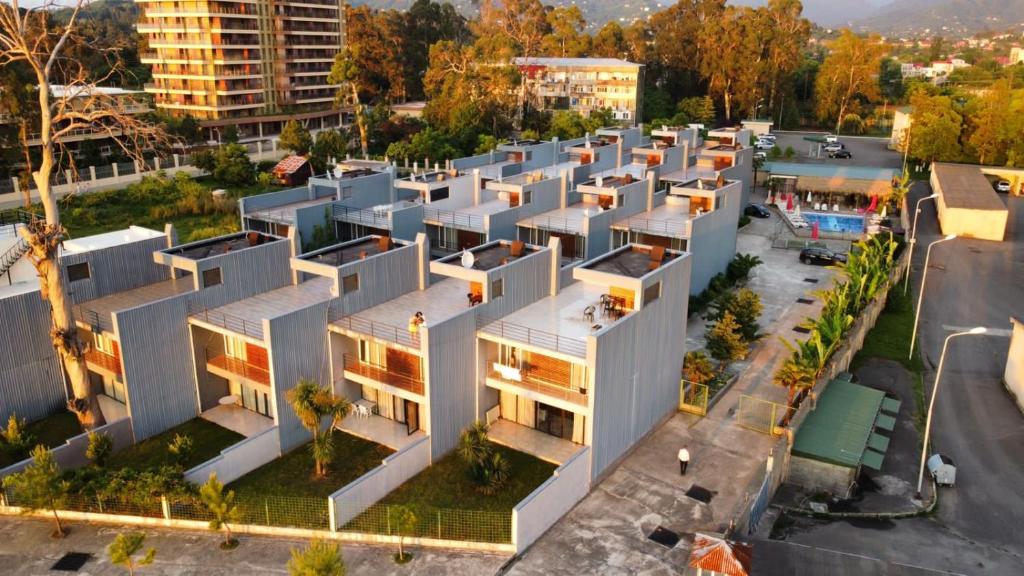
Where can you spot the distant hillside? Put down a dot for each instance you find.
(946, 17)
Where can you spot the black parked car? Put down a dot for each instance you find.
(757, 211)
(840, 154)
(822, 256)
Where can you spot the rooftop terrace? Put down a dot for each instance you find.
(221, 245)
(110, 239)
(634, 262)
(340, 254)
(99, 311)
(491, 255)
(285, 213)
(671, 220)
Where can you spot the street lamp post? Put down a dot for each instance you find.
(920, 297)
(913, 240)
(931, 403)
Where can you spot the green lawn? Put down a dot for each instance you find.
(890, 339)
(292, 474)
(447, 484)
(208, 440)
(50, 431)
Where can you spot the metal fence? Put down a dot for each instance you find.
(763, 415)
(693, 398)
(539, 338)
(439, 523)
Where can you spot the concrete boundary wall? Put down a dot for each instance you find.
(71, 454)
(239, 459)
(539, 511)
(353, 499)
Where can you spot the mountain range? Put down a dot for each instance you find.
(944, 17)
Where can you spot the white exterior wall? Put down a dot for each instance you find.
(1014, 375)
(368, 489)
(239, 459)
(539, 511)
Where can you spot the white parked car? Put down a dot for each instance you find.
(830, 138)
(760, 155)
(769, 137)
(834, 147)
(764, 145)
(1003, 186)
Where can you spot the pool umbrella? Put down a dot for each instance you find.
(883, 211)
(796, 210)
(789, 203)
(809, 197)
(814, 231)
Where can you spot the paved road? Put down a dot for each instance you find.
(977, 528)
(26, 549)
(866, 151)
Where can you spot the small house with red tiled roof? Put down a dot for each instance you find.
(293, 171)
(713, 556)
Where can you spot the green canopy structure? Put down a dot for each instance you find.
(842, 429)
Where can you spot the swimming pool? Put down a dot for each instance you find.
(851, 223)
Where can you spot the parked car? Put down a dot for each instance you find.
(834, 147)
(840, 154)
(768, 137)
(764, 145)
(757, 211)
(761, 155)
(1003, 186)
(821, 256)
(831, 138)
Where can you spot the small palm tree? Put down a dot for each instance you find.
(475, 447)
(124, 548)
(223, 508)
(794, 377)
(313, 403)
(320, 558)
(495, 471)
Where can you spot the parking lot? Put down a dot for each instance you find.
(866, 151)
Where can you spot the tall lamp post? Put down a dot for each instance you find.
(935, 392)
(913, 240)
(920, 297)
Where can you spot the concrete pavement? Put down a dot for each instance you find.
(607, 532)
(26, 549)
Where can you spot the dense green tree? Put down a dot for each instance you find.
(990, 122)
(329, 144)
(101, 446)
(568, 38)
(295, 137)
(610, 42)
(935, 128)
(849, 73)
(724, 341)
(230, 134)
(232, 165)
(427, 144)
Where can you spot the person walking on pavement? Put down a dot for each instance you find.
(684, 460)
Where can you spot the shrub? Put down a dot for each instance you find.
(99, 449)
(790, 152)
(180, 448)
(775, 152)
(16, 440)
(724, 341)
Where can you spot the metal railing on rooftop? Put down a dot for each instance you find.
(474, 222)
(226, 321)
(677, 228)
(558, 223)
(539, 338)
(96, 321)
(365, 216)
(379, 330)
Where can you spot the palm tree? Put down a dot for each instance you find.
(475, 447)
(313, 403)
(794, 377)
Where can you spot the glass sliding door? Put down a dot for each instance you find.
(554, 421)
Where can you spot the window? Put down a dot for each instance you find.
(211, 277)
(372, 353)
(438, 194)
(652, 293)
(235, 348)
(497, 288)
(78, 272)
(103, 343)
(350, 283)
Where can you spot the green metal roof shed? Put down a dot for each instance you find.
(841, 429)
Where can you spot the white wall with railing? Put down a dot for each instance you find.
(71, 454)
(368, 489)
(539, 511)
(239, 459)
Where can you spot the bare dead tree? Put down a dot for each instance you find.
(27, 37)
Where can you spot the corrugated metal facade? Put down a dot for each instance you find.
(30, 380)
(116, 269)
(451, 380)
(156, 350)
(636, 366)
(298, 349)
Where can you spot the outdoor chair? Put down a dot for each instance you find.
(517, 248)
(588, 313)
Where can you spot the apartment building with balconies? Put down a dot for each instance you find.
(699, 217)
(411, 360)
(133, 314)
(596, 363)
(253, 64)
(585, 85)
(724, 152)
